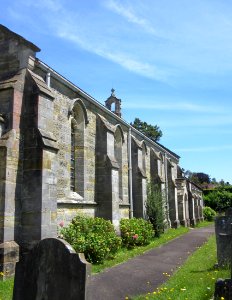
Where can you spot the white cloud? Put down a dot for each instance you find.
(70, 26)
(129, 15)
(141, 68)
(185, 47)
(67, 31)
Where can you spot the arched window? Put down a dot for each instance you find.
(161, 165)
(118, 144)
(72, 163)
(2, 125)
(77, 157)
(155, 167)
(144, 153)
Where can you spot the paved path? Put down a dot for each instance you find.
(144, 273)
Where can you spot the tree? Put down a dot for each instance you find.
(155, 208)
(213, 181)
(219, 198)
(198, 177)
(152, 132)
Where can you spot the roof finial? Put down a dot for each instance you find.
(112, 92)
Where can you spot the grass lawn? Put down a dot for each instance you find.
(204, 224)
(125, 254)
(194, 280)
(6, 289)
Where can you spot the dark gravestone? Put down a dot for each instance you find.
(52, 270)
(223, 231)
(223, 289)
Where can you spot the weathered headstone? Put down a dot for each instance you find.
(52, 270)
(9, 254)
(223, 289)
(223, 231)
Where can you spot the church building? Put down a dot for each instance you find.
(63, 153)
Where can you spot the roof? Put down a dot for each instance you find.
(18, 37)
(74, 87)
(174, 154)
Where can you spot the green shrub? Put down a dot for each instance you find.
(95, 237)
(136, 232)
(155, 207)
(208, 213)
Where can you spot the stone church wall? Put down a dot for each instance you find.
(63, 153)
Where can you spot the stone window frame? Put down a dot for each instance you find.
(79, 122)
(144, 155)
(72, 158)
(2, 125)
(118, 154)
(162, 172)
(156, 165)
(141, 149)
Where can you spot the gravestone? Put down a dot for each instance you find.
(223, 289)
(52, 270)
(223, 231)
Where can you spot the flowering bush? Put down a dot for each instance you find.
(95, 237)
(136, 232)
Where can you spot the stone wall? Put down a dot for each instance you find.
(63, 153)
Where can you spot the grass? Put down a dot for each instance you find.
(125, 254)
(6, 289)
(204, 224)
(194, 280)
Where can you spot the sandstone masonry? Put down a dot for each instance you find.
(63, 153)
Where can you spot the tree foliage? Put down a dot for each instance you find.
(217, 195)
(204, 180)
(219, 198)
(152, 132)
(155, 207)
(198, 177)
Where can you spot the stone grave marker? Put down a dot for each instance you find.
(52, 270)
(223, 231)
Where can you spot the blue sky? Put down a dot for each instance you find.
(169, 61)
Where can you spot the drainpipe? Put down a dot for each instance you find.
(166, 188)
(48, 79)
(130, 174)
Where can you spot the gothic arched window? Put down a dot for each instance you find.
(72, 163)
(77, 157)
(118, 144)
(144, 153)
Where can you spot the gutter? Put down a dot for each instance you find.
(74, 88)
